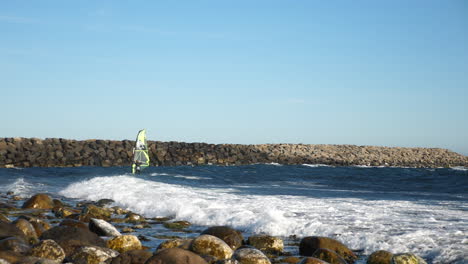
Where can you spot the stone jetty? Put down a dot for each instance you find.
(59, 152)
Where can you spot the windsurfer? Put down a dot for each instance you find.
(137, 167)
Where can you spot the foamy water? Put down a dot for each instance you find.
(423, 218)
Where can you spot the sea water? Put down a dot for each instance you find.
(422, 211)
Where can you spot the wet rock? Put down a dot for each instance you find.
(40, 226)
(93, 255)
(73, 223)
(36, 260)
(48, 249)
(212, 246)
(132, 257)
(127, 230)
(290, 260)
(39, 201)
(175, 256)
(183, 243)
(407, 258)
(309, 245)
(10, 256)
(380, 257)
(64, 212)
(10, 230)
(104, 202)
(134, 218)
(14, 244)
(177, 225)
(124, 243)
(310, 260)
(249, 255)
(4, 218)
(329, 256)
(92, 211)
(229, 235)
(70, 238)
(28, 230)
(102, 228)
(266, 243)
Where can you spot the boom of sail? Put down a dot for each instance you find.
(140, 153)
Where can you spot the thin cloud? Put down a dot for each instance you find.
(16, 19)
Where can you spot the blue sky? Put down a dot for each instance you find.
(387, 73)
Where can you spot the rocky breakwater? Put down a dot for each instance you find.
(58, 152)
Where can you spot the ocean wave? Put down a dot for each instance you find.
(369, 225)
(316, 165)
(460, 168)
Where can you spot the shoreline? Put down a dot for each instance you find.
(59, 152)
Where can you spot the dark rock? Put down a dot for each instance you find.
(14, 244)
(309, 245)
(70, 238)
(380, 257)
(74, 223)
(229, 235)
(176, 225)
(10, 230)
(92, 211)
(27, 228)
(329, 256)
(132, 257)
(175, 256)
(104, 202)
(310, 260)
(10, 256)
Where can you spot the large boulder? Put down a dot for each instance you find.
(175, 256)
(407, 258)
(229, 235)
(70, 238)
(211, 246)
(309, 245)
(310, 260)
(248, 255)
(10, 230)
(93, 255)
(124, 243)
(48, 249)
(27, 228)
(39, 201)
(266, 243)
(132, 257)
(380, 257)
(329, 256)
(14, 244)
(103, 228)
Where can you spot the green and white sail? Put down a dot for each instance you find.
(140, 152)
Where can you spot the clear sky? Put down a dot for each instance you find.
(387, 73)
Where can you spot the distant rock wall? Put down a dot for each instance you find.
(57, 152)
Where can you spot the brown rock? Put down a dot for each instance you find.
(10, 230)
(132, 257)
(48, 249)
(93, 255)
(380, 257)
(175, 256)
(266, 243)
(211, 246)
(14, 244)
(309, 245)
(183, 243)
(249, 255)
(92, 211)
(329, 256)
(73, 223)
(27, 228)
(39, 201)
(10, 256)
(310, 260)
(229, 235)
(124, 243)
(70, 238)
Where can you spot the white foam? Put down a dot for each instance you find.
(19, 187)
(434, 232)
(316, 165)
(460, 168)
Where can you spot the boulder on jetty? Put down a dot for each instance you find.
(309, 245)
(54, 152)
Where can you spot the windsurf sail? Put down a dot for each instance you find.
(140, 153)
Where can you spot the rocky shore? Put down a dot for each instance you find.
(58, 152)
(44, 230)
